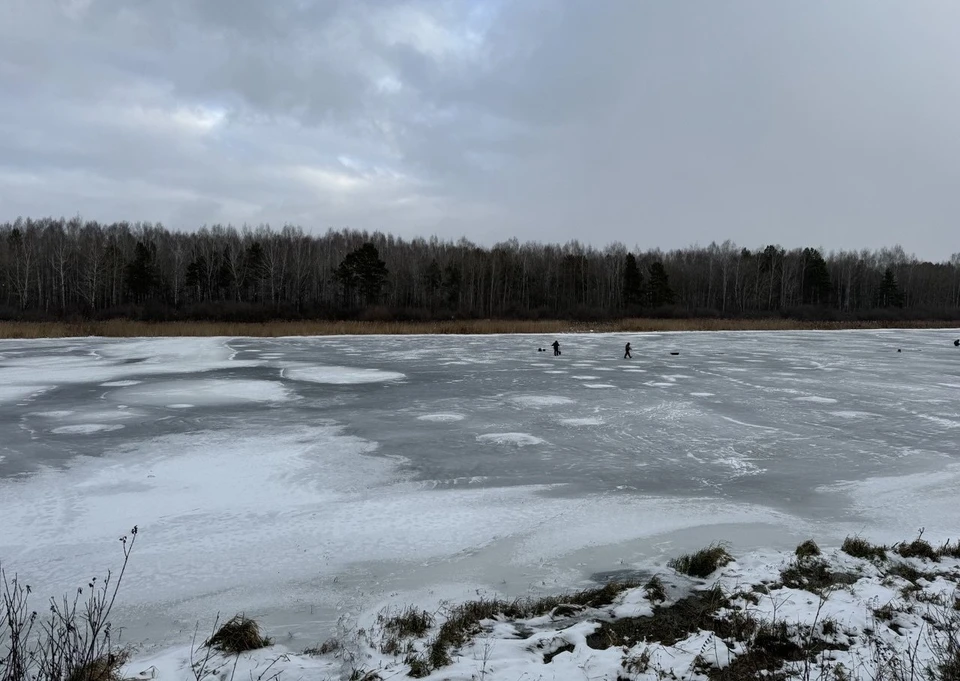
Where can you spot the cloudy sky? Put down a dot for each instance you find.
(653, 123)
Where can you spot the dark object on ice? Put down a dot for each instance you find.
(539, 349)
(556, 348)
(674, 353)
(898, 349)
(626, 352)
(956, 343)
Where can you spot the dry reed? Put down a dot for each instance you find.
(124, 328)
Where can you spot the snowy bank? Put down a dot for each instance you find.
(856, 612)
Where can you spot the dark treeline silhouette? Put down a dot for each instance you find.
(79, 269)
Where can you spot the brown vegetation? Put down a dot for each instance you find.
(775, 649)
(72, 640)
(861, 548)
(464, 620)
(125, 328)
(702, 563)
(807, 549)
(238, 635)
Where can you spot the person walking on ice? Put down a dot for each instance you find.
(556, 348)
(626, 352)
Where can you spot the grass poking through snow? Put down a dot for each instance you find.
(918, 548)
(410, 623)
(859, 547)
(807, 549)
(814, 575)
(667, 625)
(104, 668)
(655, 590)
(463, 621)
(238, 635)
(702, 563)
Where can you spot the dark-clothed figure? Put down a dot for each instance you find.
(626, 352)
(556, 348)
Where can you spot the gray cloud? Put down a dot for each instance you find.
(657, 124)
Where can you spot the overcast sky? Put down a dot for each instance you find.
(653, 123)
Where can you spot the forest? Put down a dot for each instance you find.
(76, 269)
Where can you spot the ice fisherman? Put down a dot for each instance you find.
(556, 348)
(626, 352)
(956, 343)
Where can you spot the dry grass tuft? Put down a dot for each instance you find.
(858, 547)
(667, 625)
(105, 668)
(702, 563)
(238, 635)
(419, 667)
(331, 645)
(918, 548)
(949, 550)
(908, 572)
(808, 549)
(411, 623)
(464, 620)
(655, 590)
(814, 575)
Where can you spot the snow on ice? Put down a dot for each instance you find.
(313, 481)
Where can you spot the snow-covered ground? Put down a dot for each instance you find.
(829, 617)
(308, 480)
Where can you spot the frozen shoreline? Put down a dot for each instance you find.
(833, 617)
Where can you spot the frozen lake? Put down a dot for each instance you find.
(303, 479)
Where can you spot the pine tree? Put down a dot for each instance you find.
(253, 260)
(660, 292)
(452, 281)
(816, 278)
(363, 272)
(888, 295)
(632, 282)
(194, 276)
(140, 274)
(225, 276)
(432, 277)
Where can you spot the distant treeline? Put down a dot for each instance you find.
(75, 269)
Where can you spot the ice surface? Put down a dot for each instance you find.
(518, 439)
(336, 375)
(15, 393)
(32, 366)
(85, 428)
(441, 418)
(585, 421)
(540, 400)
(210, 392)
(442, 464)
